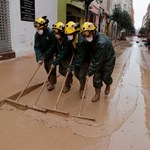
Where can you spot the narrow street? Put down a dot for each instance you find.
(122, 117)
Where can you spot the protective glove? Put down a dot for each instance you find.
(53, 66)
(87, 77)
(40, 62)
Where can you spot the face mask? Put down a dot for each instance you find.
(57, 36)
(89, 39)
(70, 37)
(40, 32)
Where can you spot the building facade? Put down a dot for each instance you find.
(146, 19)
(71, 10)
(16, 24)
(17, 17)
(99, 15)
(126, 5)
(5, 31)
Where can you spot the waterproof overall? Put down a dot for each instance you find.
(81, 62)
(45, 49)
(63, 58)
(102, 60)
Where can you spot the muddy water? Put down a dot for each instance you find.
(134, 103)
(122, 120)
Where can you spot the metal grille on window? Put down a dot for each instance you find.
(5, 43)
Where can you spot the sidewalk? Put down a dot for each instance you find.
(15, 74)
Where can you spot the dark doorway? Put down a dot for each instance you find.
(74, 14)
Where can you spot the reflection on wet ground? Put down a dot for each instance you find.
(132, 106)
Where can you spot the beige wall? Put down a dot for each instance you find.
(107, 4)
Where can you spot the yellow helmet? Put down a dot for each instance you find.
(88, 26)
(71, 27)
(58, 26)
(40, 23)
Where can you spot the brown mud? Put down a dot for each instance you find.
(122, 120)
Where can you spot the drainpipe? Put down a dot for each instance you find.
(99, 22)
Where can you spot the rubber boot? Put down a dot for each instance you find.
(68, 84)
(96, 96)
(52, 81)
(50, 86)
(66, 89)
(107, 90)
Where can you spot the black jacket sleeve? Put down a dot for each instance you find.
(37, 48)
(63, 50)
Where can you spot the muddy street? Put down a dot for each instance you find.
(122, 117)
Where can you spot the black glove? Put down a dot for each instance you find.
(54, 63)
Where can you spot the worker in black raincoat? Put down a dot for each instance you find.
(102, 58)
(44, 46)
(64, 54)
(78, 46)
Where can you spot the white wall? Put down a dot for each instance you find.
(22, 32)
(117, 2)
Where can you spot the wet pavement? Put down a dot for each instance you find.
(122, 117)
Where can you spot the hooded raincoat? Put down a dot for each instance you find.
(102, 59)
(45, 49)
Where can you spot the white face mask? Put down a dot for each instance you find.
(57, 36)
(40, 32)
(89, 39)
(70, 37)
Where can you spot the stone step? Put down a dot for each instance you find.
(7, 55)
